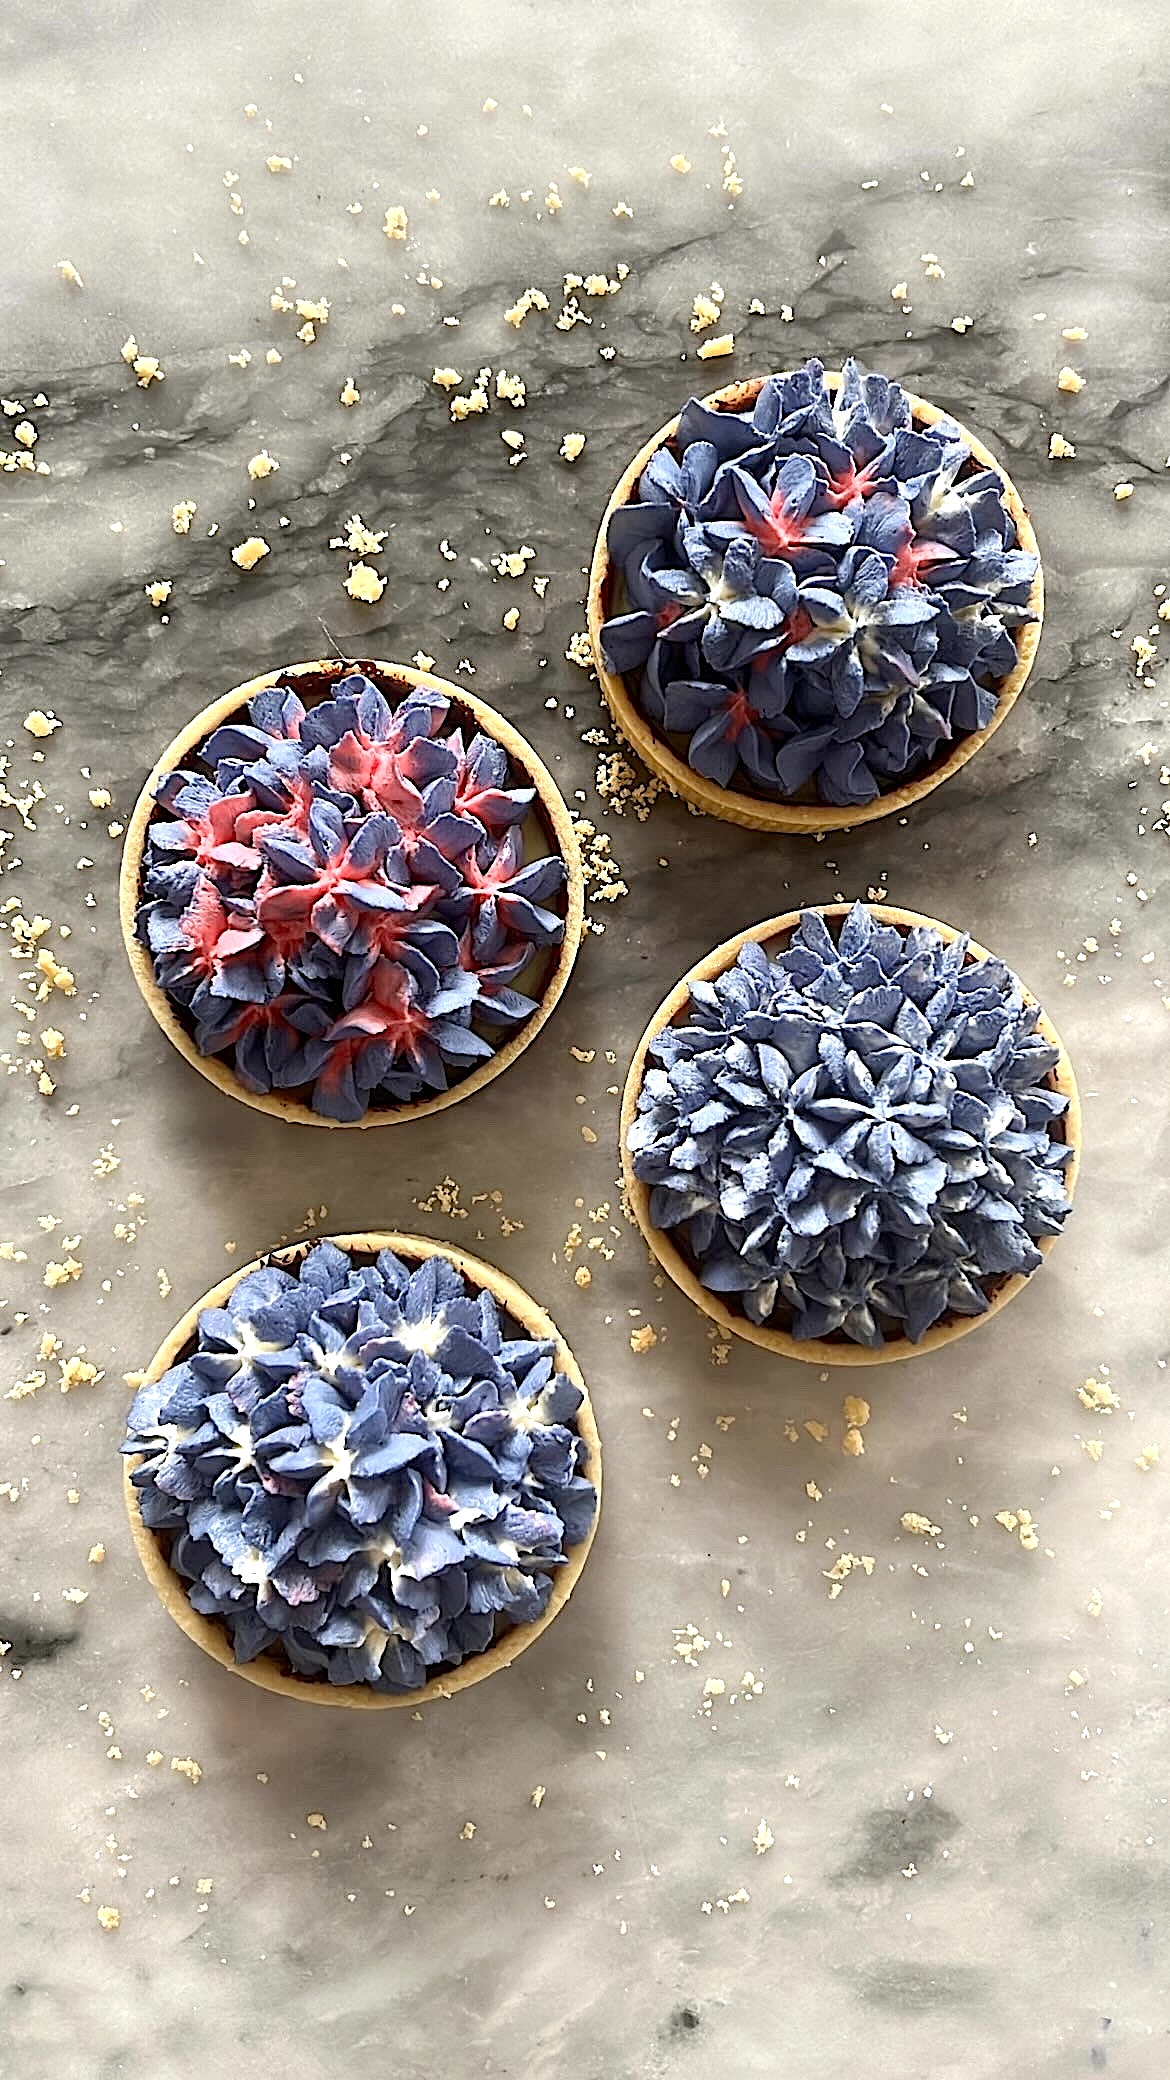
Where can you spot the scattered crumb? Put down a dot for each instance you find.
(396, 222)
(706, 309)
(715, 349)
(1069, 381)
(1095, 1394)
(510, 389)
(1060, 450)
(572, 446)
(183, 514)
(159, 592)
(61, 1274)
(913, 1520)
(38, 724)
(262, 465)
(186, 1766)
(248, 554)
(643, 1338)
(365, 583)
(109, 1918)
(147, 369)
(843, 1566)
(1022, 1522)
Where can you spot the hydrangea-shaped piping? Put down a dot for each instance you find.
(819, 595)
(363, 1468)
(340, 902)
(858, 1136)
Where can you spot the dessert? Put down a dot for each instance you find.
(363, 1467)
(354, 900)
(812, 590)
(850, 1129)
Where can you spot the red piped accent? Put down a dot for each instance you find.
(386, 1013)
(913, 557)
(850, 484)
(203, 922)
(487, 881)
(740, 715)
(373, 772)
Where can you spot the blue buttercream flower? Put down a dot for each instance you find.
(824, 533)
(857, 1136)
(363, 1468)
(340, 902)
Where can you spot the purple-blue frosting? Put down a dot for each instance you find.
(857, 1137)
(338, 899)
(363, 1468)
(819, 594)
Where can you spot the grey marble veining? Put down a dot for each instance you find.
(970, 1872)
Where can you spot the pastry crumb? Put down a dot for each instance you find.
(246, 555)
(365, 583)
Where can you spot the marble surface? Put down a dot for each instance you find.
(970, 1868)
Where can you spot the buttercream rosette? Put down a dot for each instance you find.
(857, 1136)
(335, 898)
(364, 1469)
(819, 593)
